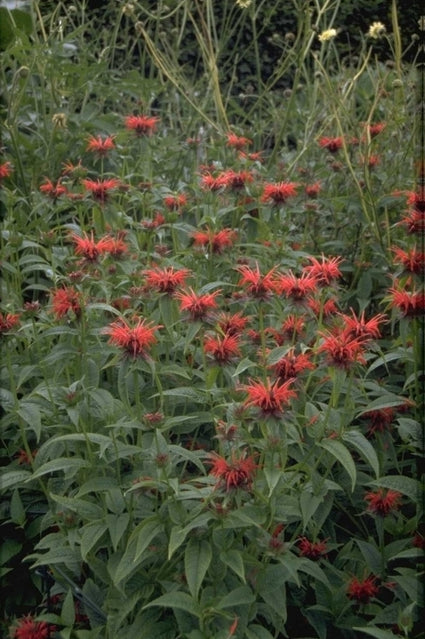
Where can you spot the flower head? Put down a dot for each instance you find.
(238, 473)
(8, 321)
(28, 628)
(223, 348)
(66, 300)
(134, 339)
(413, 261)
(256, 285)
(359, 327)
(237, 142)
(175, 202)
(269, 397)
(312, 549)
(141, 124)
(382, 502)
(100, 188)
(5, 170)
(216, 242)
(376, 30)
(341, 349)
(362, 591)
(327, 34)
(53, 190)
(166, 279)
(198, 306)
(100, 146)
(409, 303)
(87, 247)
(232, 324)
(325, 271)
(296, 288)
(331, 144)
(279, 192)
(291, 365)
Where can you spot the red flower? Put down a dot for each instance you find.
(415, 222)
(257, 285)
(197, 306)
(5, 170)
(99, 188)
(310, 549)
(381, 502)
(278, 193)
(217, 242)
(237, 142)
(362, 591)
(53, 190)
(413, 261)
(66, 300)
(222, 348)
(358, 327)
(312, 190)
(296, 288)
(269, 397)
(8, 321)
(87, 247)
(292, 327)
(232, 324)
(28, 628)
(135, 340)
(238, 473)
(375, 129)
(175, 202)
(141, 124)
(409, 303)
(341, 349)
(165, 280)
(291, 365)
(211, 183)
(115, 246)
(325, 271)
(25, 458)
(236, 179)
(331, 144)
(100, 146)
(379, 419)
(158, 220)
(325, 309)
(417, 200)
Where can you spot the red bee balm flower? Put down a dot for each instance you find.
(175, 202)
(5, 170)
(296, 288)
(53, 190)
(413, 261)
(326, 271)
(99, 188)
(291, 365)
(381, 502)
(100, 146)
(8, 321)
(358, 327)
(331, 144)
(135, 340)
(197, 306)
(278, 193)
(28, 628)
(66, 300)
(342, 350)
(239, 473)
(362, 591)
(310, 549)
(269, 397)
(409, 303)
(141, 124)
(237, 142)
(88, 248)
(216, 242)
(257, 285)
(165, 280)
(222, 348)
(232, 324)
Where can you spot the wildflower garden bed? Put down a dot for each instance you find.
(212, 328)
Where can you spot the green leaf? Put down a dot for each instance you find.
(371, 555)
(255, 631)
(17, 510)
(197, 558)
(86, 509)
(233, 559)
(14, 477)
(179, 600)
(309, 503)
(90, 535)
(12, 24)
(242, 596)
(387, 400)
(363, 447)
(378, 633)
(117, 525)
(144, 533)
(29, 412)
(68, 465)
(408, 486)
(177, 537)
(341, 454)
(68, 610)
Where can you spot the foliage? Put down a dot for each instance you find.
(211, 326)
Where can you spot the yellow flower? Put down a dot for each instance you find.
(376, 30)
(243, 4)
(328, 34)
